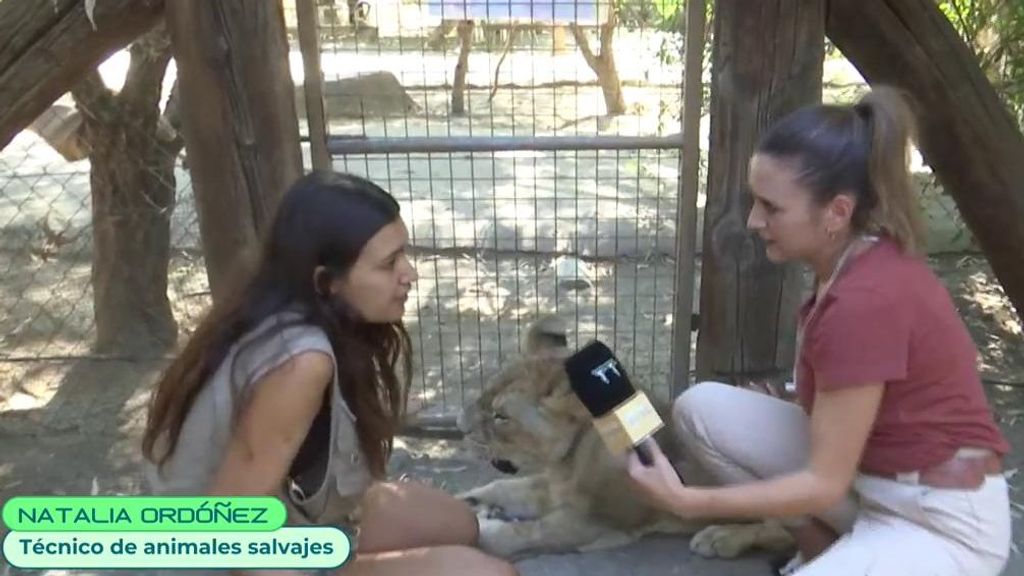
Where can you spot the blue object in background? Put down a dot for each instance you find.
(561, 11)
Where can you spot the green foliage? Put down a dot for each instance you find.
(668, 9)
(663, 15)
(994, 29)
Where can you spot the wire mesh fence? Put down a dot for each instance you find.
(47, 298)
(502, 237)
(97, 225)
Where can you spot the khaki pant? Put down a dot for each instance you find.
(887, 528)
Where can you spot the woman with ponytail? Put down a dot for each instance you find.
(295, 386)
(890, 463)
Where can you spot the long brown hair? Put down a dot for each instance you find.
(324, 219)
(861, 149)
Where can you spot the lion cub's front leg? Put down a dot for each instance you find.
(731, 540)
(522, 498)
(562, 530)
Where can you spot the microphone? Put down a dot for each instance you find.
(623, 416)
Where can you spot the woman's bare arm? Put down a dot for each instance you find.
(841, 423)
(270, 430)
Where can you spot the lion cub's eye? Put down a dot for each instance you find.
(499, 418)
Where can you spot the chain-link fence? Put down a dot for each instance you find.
(98, 229)
(524, 196)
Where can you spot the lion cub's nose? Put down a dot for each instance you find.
(504, 466)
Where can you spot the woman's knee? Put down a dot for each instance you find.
(459, 520)
(690, 408)
(465, 524)
(428, 517)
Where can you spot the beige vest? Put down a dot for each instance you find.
(208, 427)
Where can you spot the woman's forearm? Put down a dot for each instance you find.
(796, 494)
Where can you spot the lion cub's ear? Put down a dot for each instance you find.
(564, 402)
(547, 334)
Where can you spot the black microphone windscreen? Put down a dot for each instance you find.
(598, 379)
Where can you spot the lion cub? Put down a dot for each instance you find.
(570, 492)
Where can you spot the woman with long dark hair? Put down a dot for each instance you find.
(295, 387)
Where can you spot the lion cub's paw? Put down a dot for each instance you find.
(500, 538)
(492, 512)
(506, 511)
(731, 540)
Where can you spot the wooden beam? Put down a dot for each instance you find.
(46, 47)
(967, 135)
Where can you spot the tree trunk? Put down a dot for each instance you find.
(603, 64)
(133, 190)
(240, 124)
(459, 83)
(47, 46)
(966, 133)
(767, 61)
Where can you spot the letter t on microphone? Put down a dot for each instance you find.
(623, 416)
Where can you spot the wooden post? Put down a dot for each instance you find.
(313, 83)
(768, 59)
(239, 121)
(689, 183)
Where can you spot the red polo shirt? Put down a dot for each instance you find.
(887, 318)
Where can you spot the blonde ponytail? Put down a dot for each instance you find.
(891, 126)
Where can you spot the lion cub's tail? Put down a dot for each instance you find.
(548, 332)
